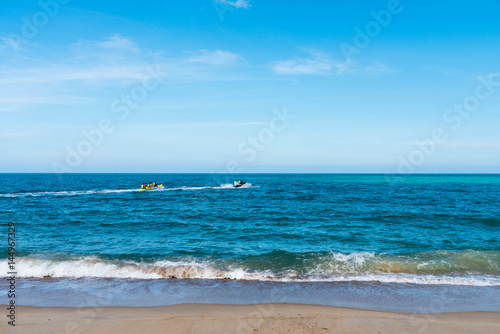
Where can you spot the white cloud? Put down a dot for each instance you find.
(461, 144)
(491, 144)
(236, 3)
(118, 42)
(214, 57)
(74, 75)
(318, 63)
(11, 43)
(302, 66)
(113, 49)
(488, 76)
(18, 134)
(378, 69)
(343, 67)
(114, 59)
(12, 101)
(200, 124)
(67, 73)
(322, 64)
(83, 68)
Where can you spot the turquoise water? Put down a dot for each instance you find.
(431, 229)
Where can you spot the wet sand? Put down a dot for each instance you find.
(260, 318)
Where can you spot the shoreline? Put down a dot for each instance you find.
(256, 318)
(389, 297)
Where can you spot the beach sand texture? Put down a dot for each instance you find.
(261, 318)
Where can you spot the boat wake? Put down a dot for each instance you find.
(115, 191)
(67, 193)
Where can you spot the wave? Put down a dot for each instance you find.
(462, 268)
(111, 191)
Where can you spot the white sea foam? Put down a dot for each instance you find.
(222, 186)
(68, 193)
(110, 191)
(94, 267)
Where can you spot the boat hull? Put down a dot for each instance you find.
(158, 186)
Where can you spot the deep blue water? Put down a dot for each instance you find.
(427, 229)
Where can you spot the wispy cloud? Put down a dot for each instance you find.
(8, 42)
(236, 3)
(115, 59)
(489, 75)
(318, 63)
(114, 49)
(81, 67)
(461, 144)
(10, 102)
(443, 70)
(18, 134)
(214, 57)
(302, 66)
(473, 144)
(118, 42)
(55, 74)
(201, 124)
(377, 69)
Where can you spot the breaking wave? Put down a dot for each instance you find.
(461, 268)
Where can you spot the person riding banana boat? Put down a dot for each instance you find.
(151, 185)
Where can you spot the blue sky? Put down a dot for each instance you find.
(362, 82)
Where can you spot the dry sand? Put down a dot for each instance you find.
(262, 318)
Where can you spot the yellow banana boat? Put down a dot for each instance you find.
(151, 188)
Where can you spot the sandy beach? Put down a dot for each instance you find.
(261, 318)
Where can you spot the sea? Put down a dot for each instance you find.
(420, 243)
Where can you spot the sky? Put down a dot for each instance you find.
(243, 86)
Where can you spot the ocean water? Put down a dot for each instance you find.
(371, 231)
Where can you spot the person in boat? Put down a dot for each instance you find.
(143, 186)
(151, 185)
(154, 184)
